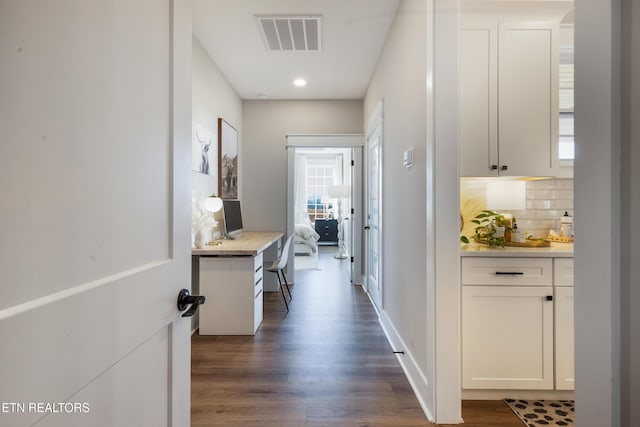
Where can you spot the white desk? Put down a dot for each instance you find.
(230, 276)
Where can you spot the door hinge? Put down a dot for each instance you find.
(352, 211)
(353, 259)
(353, 162)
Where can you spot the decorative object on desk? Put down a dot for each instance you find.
(202, 221)
(534, 413)
(490, 229)
(227, 160)
(340, 192)
(203, 150)
(202, 237)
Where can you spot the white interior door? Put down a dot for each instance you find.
(373, 203)
(94, 214)
(355, 216)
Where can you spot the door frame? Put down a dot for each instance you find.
(353, 141)
(375, 123)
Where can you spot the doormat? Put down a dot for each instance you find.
(535, 413)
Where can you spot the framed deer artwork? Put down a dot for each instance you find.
(227, 160)
(203, 150)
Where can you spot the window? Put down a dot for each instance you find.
(319, 179)
(566, 145)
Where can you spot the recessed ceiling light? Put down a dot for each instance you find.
(300, 82)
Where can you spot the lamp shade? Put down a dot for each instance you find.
(506, 195)
(339, 191)
(213, 204)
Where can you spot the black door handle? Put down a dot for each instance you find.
(185, 299)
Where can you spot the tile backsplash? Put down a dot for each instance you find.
(547, 200)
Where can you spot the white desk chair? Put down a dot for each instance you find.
(278, 267)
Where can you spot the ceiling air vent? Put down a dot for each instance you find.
(294, 33)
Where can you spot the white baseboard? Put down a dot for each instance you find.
(517, 394)
(411, 369)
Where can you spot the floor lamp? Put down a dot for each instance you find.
(340, 192)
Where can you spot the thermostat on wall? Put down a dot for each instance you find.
(408, 158)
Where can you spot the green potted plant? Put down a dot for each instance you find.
(491, 228)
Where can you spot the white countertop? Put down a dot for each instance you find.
(556, 250)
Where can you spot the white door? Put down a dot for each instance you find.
(355, 217)
(373, 203)
(94, 214)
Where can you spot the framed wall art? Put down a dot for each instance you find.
(227, 160)
(203, 150)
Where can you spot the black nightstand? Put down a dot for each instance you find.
(327, 229)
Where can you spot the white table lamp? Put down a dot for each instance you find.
(213, 204)
(506, 195)
(340, 192)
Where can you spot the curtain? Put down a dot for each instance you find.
(300, 190)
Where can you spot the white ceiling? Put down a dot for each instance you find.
(354, 32)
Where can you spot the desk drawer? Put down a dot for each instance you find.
(507, 271)
(258, 268)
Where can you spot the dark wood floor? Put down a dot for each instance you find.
(325, 363)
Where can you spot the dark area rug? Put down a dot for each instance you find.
(534, 413)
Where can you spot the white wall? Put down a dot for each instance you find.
(400, 80)
(265, 126)
(213, 97)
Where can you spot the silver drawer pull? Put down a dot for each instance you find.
(509, 273)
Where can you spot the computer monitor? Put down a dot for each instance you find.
(232, 217)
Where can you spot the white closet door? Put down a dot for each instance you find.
(94, 169)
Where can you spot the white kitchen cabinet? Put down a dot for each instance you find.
(564, 360)
(508, 79)
(517, 323)
(507, 337)
(564, 325)
(478, 80)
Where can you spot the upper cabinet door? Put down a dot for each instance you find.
(527, 98)
(508, 84)
(478, 78)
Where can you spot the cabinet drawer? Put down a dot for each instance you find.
(563, 272)
(507, 271)
(258, 268)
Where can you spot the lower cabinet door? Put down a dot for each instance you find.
(507, 337)
(564, 339)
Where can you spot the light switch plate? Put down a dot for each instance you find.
(407, 160)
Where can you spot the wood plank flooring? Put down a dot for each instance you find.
(325, 363)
